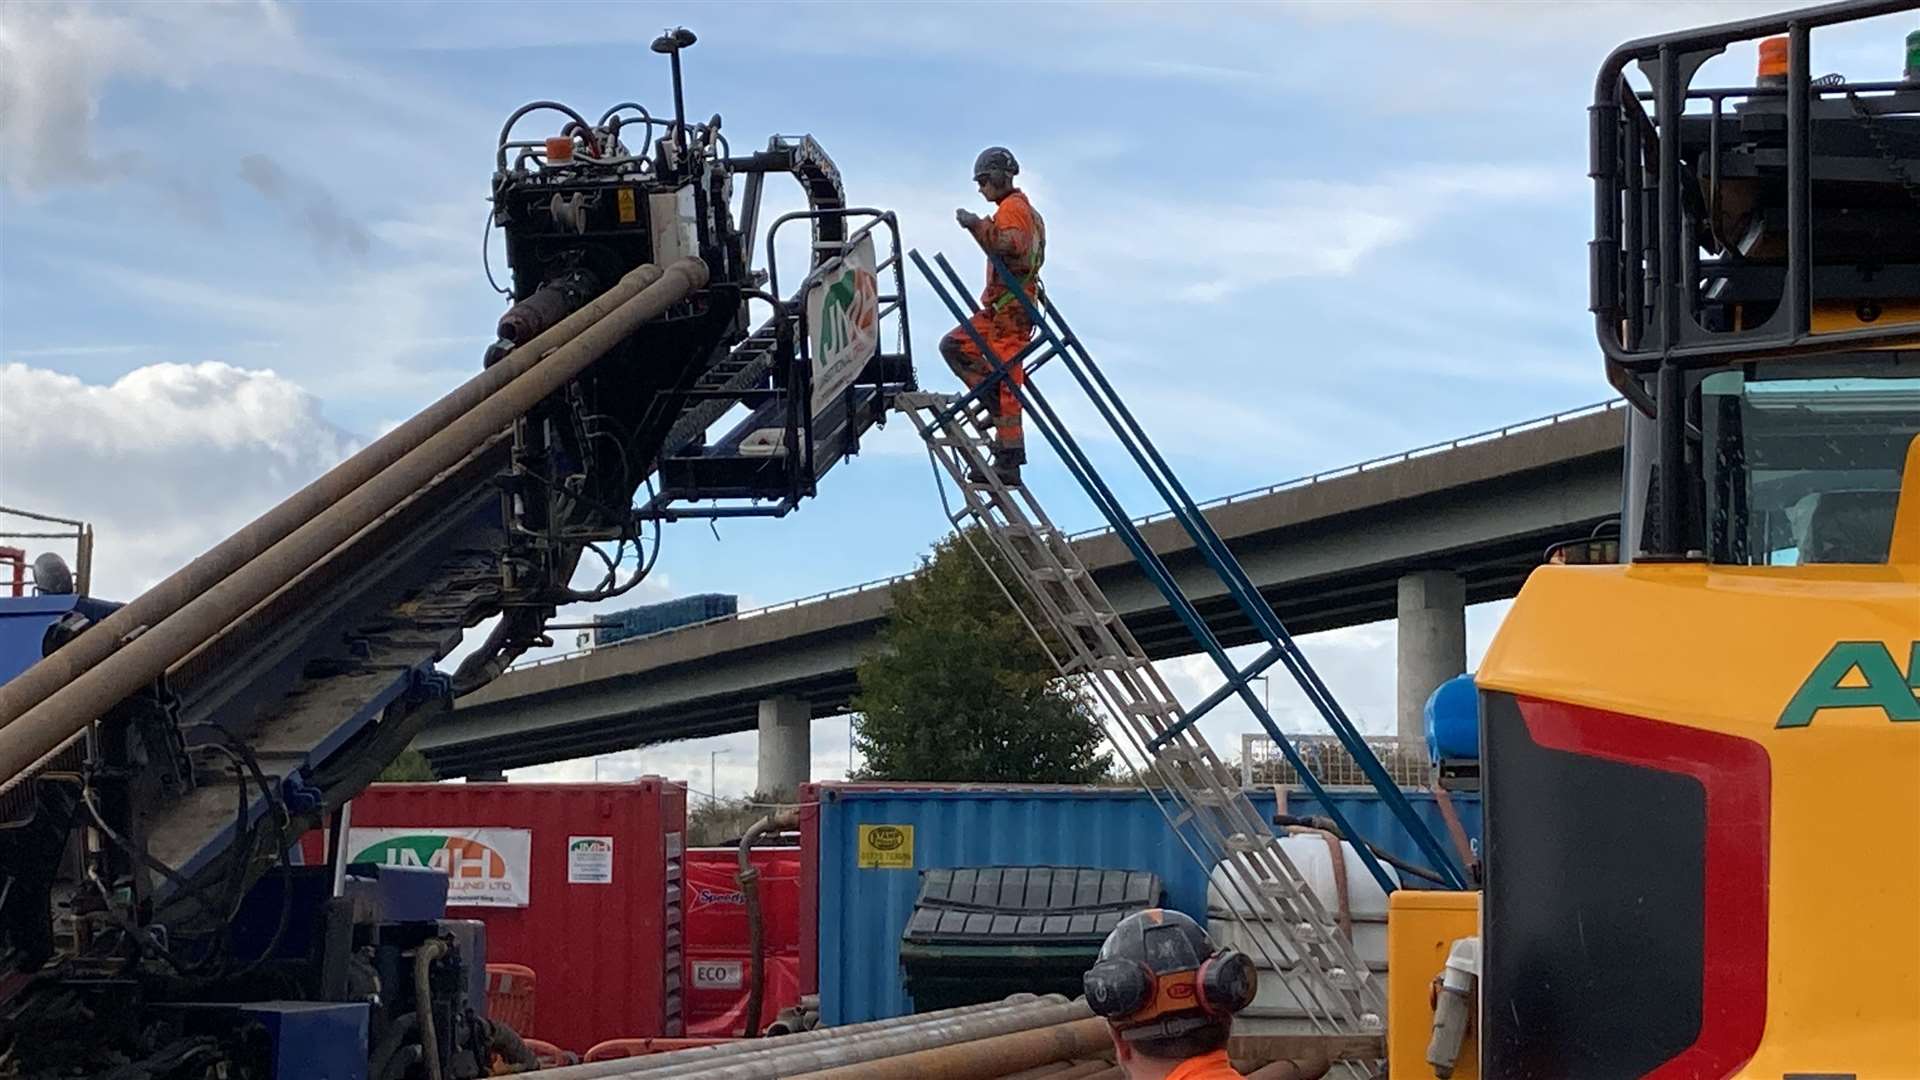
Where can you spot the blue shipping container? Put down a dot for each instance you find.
(864, 910)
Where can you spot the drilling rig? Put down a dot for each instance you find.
(159, 759)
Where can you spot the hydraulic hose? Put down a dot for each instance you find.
(508, 1044)
(423, 958)
(1327, 825)
(47, 677)
(32, 735)
(391, 1045)
(749, 881)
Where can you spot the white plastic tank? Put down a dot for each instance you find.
(1233, 922)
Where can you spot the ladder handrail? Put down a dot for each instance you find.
(1200, 802)
(1151, 567)
(1051, 343)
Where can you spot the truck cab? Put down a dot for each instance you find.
(1699, 763)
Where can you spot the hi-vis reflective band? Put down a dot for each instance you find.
(1858, 675)
(1028, 279)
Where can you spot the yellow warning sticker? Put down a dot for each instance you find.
(886, 847)
(627, 213)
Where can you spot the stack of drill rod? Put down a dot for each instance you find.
(1019, 1038)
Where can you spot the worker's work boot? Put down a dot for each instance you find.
(1007, 464)
(1008, 474)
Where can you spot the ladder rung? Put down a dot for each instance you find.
(1206, 801)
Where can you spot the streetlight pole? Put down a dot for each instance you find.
(713, 781)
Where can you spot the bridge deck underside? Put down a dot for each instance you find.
(1326, 556)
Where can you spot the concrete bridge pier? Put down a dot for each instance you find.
(1432, 637)
(785, 752)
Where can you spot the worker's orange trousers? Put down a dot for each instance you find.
(1007, 332)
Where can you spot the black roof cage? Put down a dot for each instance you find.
(1723, 234)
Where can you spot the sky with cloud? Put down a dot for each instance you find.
(237, 241)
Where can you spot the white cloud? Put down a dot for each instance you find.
(56, 61)
(1610, 21)
(376, 337)
(1262, 232)
(165, 461)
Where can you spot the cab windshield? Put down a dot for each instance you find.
(1804, 467)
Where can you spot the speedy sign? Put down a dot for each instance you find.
(484, 867)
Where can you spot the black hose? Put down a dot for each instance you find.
(423, 957)
(506, 1042)
(1325, 824)
(403, 1060)
(397, 1033)
(507, 128)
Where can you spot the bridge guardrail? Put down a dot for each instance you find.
(1388, 459)
(1224, 500)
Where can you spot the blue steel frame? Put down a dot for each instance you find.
(1063, 344)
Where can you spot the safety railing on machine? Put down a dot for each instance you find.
(1262, 763)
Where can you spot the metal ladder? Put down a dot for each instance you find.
(1291, 929)
(1087, 639)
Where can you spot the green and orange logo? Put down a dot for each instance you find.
(457, 857)
(849, 316)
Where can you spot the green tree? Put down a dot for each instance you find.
(959, 689)
(410, 765)
(716, 822)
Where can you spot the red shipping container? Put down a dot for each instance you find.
(718, 944)
(580, 882)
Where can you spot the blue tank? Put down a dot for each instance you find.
(1453, 720)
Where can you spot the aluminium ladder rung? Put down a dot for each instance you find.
(1202, 800)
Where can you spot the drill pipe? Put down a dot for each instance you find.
(982, 1058)
(682, 1060)
(773, 1064)
(38, 682)
(41, 729)
(1062, 1070)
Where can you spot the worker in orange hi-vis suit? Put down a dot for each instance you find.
(1016, 233)
(1168, 995)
